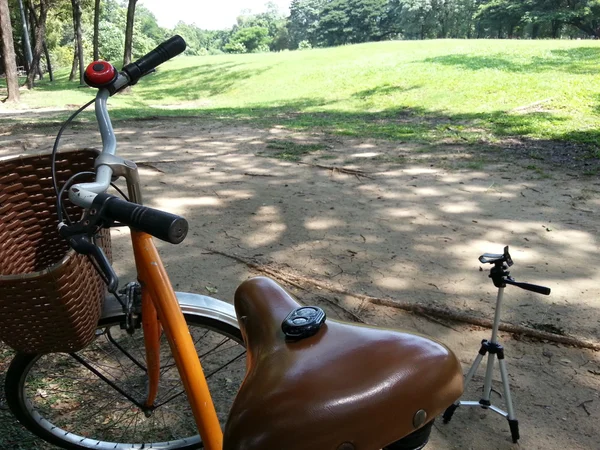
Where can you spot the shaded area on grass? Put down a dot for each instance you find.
(580, 60)
(194, 83)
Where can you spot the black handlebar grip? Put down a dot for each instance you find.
(160, 224)
(165, 51)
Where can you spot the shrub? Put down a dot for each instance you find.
(304, 45)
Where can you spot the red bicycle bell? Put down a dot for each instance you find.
(99, 74)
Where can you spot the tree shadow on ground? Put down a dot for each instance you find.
(488, 130)
(385, 89)
(477, 131)
(580, 60)
(410, 232)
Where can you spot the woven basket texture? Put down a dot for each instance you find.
(50, 296)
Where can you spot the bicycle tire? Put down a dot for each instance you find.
(49, 407)
(417, 440)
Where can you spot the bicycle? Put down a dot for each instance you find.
(372, 388)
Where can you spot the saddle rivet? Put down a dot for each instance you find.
(346, 446)
(419, 418)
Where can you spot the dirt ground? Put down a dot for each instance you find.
(410, 226)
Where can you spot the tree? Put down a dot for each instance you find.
(26, 41)
(39, 39)
(8, 53)
(504, 15)
(352, 21)
(78, 60)
(96, 29)
(251, 39)
(303, 21)
(272, 20)
(581, 14)
(44, 45)
(129, 31)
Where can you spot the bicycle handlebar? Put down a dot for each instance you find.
(84, 194)
(165, 51)
(160, 224)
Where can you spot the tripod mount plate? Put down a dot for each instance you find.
(496, 258)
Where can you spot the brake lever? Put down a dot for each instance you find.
(79, 236)
(83, 245)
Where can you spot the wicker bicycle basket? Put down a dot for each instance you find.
(50, 296)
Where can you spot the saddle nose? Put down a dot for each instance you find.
(348, 384)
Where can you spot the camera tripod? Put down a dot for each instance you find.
(500, 276)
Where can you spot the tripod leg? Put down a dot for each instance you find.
(487, 385)
(473, 369)
(513, 423)
(447, 416)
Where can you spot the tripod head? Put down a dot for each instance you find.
(497, 259)
(501, 276)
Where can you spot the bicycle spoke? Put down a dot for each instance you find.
(110, 383)
(94, 393)
(207, 377)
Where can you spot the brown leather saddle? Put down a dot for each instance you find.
(349, 387)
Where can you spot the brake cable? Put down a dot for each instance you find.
(61, 210)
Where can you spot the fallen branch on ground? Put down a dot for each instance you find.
(300, 281)
(251, 174)
(357, 173)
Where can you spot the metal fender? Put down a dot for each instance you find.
(196, 304)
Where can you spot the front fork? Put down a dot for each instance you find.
(152, 331)
(158, 298)
(161, 311)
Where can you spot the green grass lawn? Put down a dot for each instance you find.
(464, 90)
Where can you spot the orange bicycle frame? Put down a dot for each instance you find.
(160, 308)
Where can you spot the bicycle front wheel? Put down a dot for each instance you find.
(89, 400)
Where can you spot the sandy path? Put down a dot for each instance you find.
(413, 230)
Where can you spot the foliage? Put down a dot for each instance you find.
(363, 20)
(272, 20)
(250, 38)
(303, 22)
(304, 45)
(236, 47)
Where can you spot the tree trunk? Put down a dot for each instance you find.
(76, 4)
(129, 31)
(75, 65)
(586, 28)
(33, 25)
(556, 29)
(479, 30)
(26, 42)
(39, 38)
(45, 47)
(96, 29)
(8, 53)
(48, 62)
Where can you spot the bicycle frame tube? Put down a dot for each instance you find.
(152, 331)
(155, 282)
